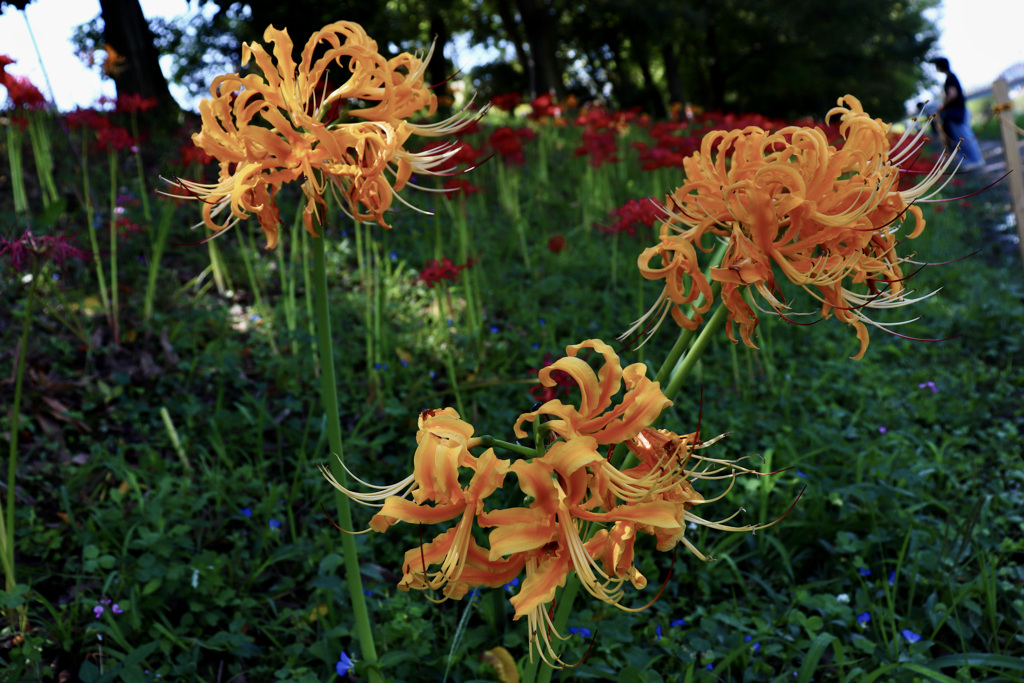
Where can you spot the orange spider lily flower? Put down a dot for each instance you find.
(270, 130)
(789, 202)
(642, 403)
(444, 441)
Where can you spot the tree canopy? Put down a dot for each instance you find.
(784, 58)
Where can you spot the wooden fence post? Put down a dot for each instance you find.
(1004, 111)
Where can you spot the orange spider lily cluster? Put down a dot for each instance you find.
(582, 514)
(788, 202)
(273, 129)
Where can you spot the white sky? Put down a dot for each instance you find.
(981, 38)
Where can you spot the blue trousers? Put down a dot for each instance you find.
(962, 133)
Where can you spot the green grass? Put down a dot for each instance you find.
(226, 568)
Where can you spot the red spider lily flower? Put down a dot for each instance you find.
(507, 101)
(556, 244)
(86, 118)
(60, 248)
(544, 106)
(633, 213)
(600, 145)
(508, 142)
(23, 94)
(113, 138)
(365, 161)
(436, 271)
(456, 186)
(134, 103)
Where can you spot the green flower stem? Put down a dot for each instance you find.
(329, 397)
(90, 217)
(488, 441)
(112, 163)
(12, 455)
(572, 587)
(686, 336)
(711, 327)
(143, 192)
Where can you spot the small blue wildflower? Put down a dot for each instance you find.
(393, 255)
(542, 321)
(116, 609)
(657, 632)
(368, 593)
(910, 635)
(892, 577)
(380, 366)
(512, 584)
(583, 631)
(882, 430)
(757, 647)
(344, 665)
(535, 345)
(56, 276)
(405, 363)
(433, 375)
(864, 572)
(710, 667)
(274, 524)
(255, 318)
(928, 385)
(677, 622)
(494, 329)
(450, 323)
(747, 638)
(98, 611)
(801, 474)
(864, 617)
(246, 512)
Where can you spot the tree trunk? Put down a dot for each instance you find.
(137, 72)
(538, 23)
(508, 20)
(673, 79)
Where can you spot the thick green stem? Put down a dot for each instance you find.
(711, 328)
(686, 336)
(488, 441)
(329, 397)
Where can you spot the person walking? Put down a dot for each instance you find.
(956, 120)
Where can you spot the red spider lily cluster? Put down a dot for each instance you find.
(508, 101)
(108, 135)
(23, 94)
(560, 383)
(508, 142)
(631, 214)
(435, 271)
(21, 251)
(456, 186)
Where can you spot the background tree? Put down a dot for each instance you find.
(785, 58)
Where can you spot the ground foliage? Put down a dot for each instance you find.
(901, 560)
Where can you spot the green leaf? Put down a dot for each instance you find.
(817, 649)
(978, 659)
